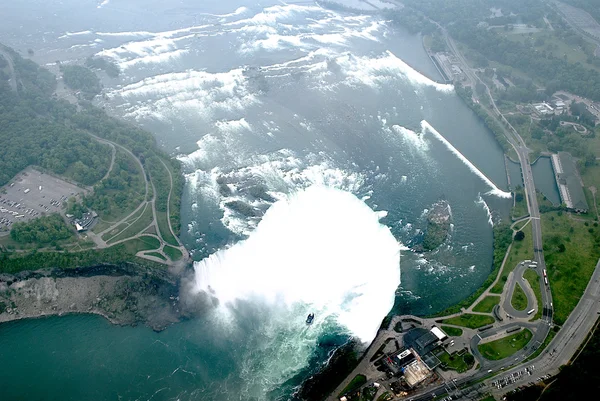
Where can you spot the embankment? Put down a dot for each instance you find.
(125, 294)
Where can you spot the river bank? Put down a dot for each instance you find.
(125, 294)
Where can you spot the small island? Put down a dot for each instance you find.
(439, 221)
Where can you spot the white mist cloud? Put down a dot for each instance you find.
(321, 247)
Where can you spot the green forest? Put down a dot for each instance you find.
(34, 131)
(43, 230)
(122, 190)
(81, 79)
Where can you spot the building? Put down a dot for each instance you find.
(85, 222)
(416, 372)
(568, 182)
(543, 109)
(439, 333)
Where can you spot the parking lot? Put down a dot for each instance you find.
(32, 194)
(522, 374)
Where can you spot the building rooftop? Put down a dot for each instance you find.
(568, 181)
(415, 373)
(425, 341)
(439, 333)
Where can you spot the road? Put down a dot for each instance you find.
(516, 278)
(566, 342)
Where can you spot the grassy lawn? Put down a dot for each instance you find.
(157, 255)
(520, 208)
(141, 223)
(534, 281)
(452, 331)
(519, 299)
(143, 243)
(124, 251)
(520, 225)
(520, 250)
(135, 215)
(7, 242)
(470, 320)
(487, 304)
(505, 347)
(574, 53)
(591, 177)
(173, 253)
(571, 249)
(354, 385)
(163, 227)
(121, 202)
(456, 362)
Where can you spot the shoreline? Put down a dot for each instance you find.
(124, 294)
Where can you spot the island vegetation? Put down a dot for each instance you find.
(81, 79)
(438, 225)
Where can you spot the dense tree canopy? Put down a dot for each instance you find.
(34, 131)
(43, 230)
(81, 79)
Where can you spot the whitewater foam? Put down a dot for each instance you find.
(200, 92)
(322, 249)
(495, 190)
(481, 202)
(282, 172)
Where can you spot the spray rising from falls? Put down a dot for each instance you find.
(321, 250)
(495, 190)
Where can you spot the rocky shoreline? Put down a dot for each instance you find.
(125, 294)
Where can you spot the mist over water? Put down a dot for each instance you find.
(321, 250)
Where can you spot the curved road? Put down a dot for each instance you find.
(516, 278)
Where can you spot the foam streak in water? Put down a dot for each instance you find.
(321, 248)
(481, 201)
(495, 190)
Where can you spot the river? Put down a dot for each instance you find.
(259, 102)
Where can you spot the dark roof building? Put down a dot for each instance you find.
(569, 182)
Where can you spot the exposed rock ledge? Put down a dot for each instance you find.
(125, 294)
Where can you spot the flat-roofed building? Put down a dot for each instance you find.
(416, 372)
(441, 336)
(569, 182)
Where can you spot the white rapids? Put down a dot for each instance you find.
(321, 248)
